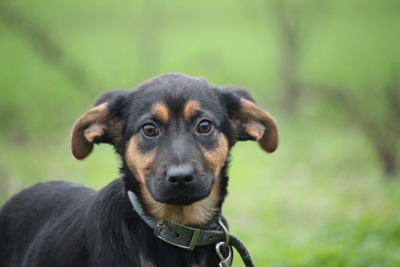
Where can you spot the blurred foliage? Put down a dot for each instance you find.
(327, 70)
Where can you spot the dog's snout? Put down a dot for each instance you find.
(180, 177)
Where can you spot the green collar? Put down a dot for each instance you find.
(188, 237)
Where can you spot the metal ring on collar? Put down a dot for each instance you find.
(225, 262)
(225, 231)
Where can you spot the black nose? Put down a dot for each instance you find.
(180, 177)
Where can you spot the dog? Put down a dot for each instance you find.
(173, 134)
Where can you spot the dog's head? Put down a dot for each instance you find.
(174, 133)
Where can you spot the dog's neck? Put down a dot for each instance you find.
(189, 238)
(153, 222)
(174, 233)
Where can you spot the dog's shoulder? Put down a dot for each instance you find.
(47, 196)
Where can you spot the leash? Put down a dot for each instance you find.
(188, 238)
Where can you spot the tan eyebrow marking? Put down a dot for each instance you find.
(162, 111)
(190, 108)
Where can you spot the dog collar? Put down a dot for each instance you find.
(188, 238)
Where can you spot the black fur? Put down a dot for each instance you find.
(65, 224)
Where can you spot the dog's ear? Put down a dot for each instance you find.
(103, 123)
(249, 121)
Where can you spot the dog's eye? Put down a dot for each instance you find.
(204, 127)
(150, 130)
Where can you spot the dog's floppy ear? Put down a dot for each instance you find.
(103, 123)
(249, 121)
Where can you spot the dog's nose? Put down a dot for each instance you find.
(180, 177)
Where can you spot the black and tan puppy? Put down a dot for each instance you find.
(173, 134)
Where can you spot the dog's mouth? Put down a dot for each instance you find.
(179, 198)
(169, 195)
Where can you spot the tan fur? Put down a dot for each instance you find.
(190, 108)
(140, 164)
(161, 111)
(255, 129)
(215, 159)
(199, 213)
(260, 124)
(94, 130)
(81, 147)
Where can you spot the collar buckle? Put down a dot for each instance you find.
(177, 235)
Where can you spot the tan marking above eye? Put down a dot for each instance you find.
(190, 108)
(162, 111)
(140, 164)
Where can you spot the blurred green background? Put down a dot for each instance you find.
(328, 71)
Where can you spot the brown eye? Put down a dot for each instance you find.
(150, 130)
(204, 127)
